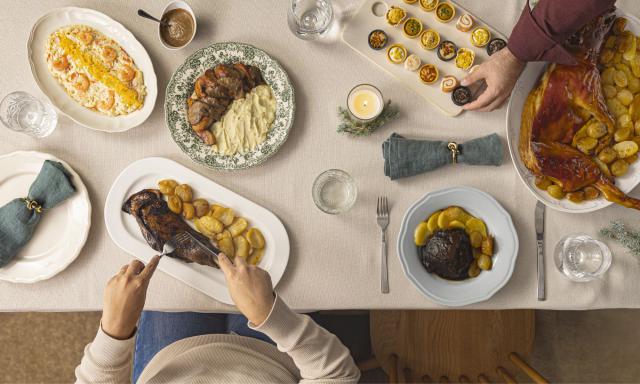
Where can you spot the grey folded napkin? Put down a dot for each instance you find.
(404, 157)
(19, 218)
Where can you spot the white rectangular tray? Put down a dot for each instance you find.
(356, 35)
(125, 232)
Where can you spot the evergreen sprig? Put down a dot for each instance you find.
(630, 238)
(354, 127)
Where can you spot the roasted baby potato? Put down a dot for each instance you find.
(607, 155)
(555, 191)
(175, 204)
(619, 168)
(188, 211)
(256, 256)
(625, 97)
(184, 192)
(622, 134)
(432, 221)
(587, 144)
(476, 225)
(225, 215)
(625, 149)
(596, 129)
(487, 245)
(456, 224)
(542, 182)
(474, 270)
(238, 226)
(226, 245)
(201, 207)
(241, 246)
(167, 186)
(609, 91)
(476, 239)
(484, 262)
(591, 193)
(256, 239)
(208, 226)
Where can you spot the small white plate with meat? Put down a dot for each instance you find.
(127, 233)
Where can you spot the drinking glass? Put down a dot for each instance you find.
(310, 19)
(334, 191)
(582, 258)
(21, 112)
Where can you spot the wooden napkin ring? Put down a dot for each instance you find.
(453, 147)
(32, 205)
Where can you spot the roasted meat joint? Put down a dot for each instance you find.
(569, 128)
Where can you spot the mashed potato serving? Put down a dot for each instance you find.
(246, 123)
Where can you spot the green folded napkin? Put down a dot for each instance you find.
(404, 157)
(18, 221)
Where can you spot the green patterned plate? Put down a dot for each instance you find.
(180, 88)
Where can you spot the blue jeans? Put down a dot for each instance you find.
(157, 330)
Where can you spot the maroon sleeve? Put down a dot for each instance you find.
(539, 34)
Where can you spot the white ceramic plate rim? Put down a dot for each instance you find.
(81, 238)
(54, 91)
(527, 81)
(405, 232)
(278, 247)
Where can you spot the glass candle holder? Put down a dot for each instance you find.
(365, 102)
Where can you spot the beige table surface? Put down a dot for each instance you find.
(334, 262)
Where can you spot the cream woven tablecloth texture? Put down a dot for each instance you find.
(335, 261)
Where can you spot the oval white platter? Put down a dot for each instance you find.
(125, 232)
(525, 84)
(61, 17)
(469, 291)
(62, 231)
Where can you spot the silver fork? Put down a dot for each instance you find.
(383, 221)
(183, 238)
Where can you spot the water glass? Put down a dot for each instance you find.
(310, 19)
(334, 191)
(21, 112)
(582, 258)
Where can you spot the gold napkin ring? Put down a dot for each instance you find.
(453, 147)
(32, 205)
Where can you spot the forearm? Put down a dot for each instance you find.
(317, 353)
(106, 360)
(539, 33)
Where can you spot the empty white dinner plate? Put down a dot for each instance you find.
(527, 81)
(62, 231)
(472, 290)
(125, 232)
(62, 17)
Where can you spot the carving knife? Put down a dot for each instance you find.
(539, 216)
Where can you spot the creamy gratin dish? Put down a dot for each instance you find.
(95, 71)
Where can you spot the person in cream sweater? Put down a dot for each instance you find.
(303, 351)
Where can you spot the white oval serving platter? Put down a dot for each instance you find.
(62, 231)
(525, 84)
(61, 17)
(125, 232)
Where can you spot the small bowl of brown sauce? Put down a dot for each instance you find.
(179, 25)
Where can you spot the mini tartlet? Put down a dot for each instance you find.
(430, 39)
(396, 53)
(464, 23)
(461, 95)
(495, 45)
(428, 73)
(396, 15)
(378, 39)
(446, 50)
(448, 84)
(445, 12)
(429, 5)
(412, 27)
(480, 37)
(465, 58)
(412, 63)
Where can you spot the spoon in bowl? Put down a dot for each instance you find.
(146, 15)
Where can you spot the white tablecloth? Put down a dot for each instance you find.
(334, 261)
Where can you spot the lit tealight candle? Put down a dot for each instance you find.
(365, 102)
